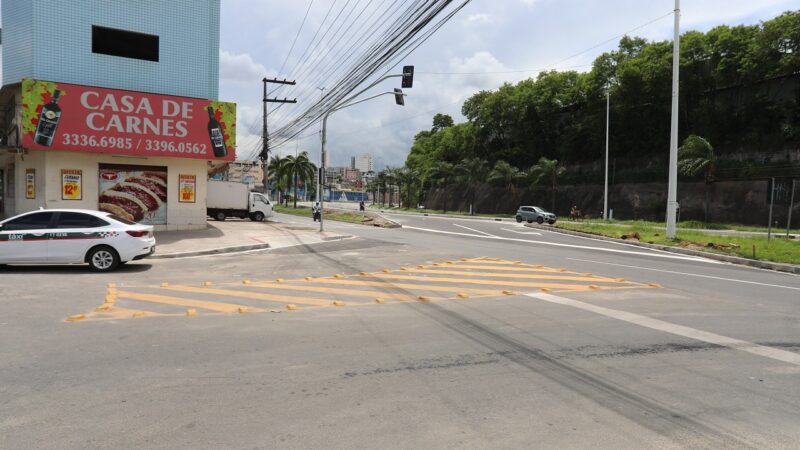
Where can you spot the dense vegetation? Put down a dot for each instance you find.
(739, 91)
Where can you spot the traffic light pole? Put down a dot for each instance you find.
(321, 177)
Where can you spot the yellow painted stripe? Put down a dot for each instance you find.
(511, 267)
(415, 286)
(575, 287)
(192, 303)
(338, 291)
(515, 275)
(252, 295)
(487, 262)
(126, 313)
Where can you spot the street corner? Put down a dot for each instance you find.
(447, 280)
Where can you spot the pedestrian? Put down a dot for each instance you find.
(361, 206)
(316, 210)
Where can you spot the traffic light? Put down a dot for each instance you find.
(408, 77)
(398, 97)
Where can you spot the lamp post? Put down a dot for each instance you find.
(672, 188)
(608, 119)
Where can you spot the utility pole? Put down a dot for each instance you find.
(608, 120)
(672, 188)
(264, 134)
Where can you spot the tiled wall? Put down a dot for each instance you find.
(52, 40)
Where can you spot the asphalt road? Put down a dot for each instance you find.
(449, 333)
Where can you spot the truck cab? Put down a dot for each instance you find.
(260, 207)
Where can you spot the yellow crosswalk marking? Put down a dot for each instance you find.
(177, 301)
(516, 275)
(496, 266)
(415, 286)
(338, 291)
(252, 295)
(572, 287)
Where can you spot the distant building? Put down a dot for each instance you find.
(362, 162)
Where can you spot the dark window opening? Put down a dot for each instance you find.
(127, 44)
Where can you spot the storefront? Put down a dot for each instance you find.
(139, 155)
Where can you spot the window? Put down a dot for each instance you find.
(261, 199)
(36, 221)
(120, 219)
(79, 220)
(127, 44)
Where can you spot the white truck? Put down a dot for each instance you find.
(231, 199)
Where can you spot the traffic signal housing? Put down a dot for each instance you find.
(408, 77)
(398, 97)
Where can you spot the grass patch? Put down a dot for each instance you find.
(305, 211)
(777, 249)
(693, 225)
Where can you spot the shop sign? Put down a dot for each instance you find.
(30, 183)
(71, 184)
(187, 187)
(136, 193)
(61, 116)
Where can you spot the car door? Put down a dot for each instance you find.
(24, 239)
(73, 234)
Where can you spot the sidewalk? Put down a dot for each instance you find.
(235, 235)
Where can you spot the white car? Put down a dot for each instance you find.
(66, 236)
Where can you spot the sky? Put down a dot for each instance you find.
(510, 39)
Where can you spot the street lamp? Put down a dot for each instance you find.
(608, 117)
(672, 186)
(407, 82)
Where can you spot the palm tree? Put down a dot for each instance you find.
(392, 179)
(471, 171)
(381, 181)
(406, 176)
(505, 174)
(441, 174)
(548, 170)
(300, 169)
(277, 169)
(696, 156)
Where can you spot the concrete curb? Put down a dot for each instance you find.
(213, 251)
(235, 249)
(391, 223)
(780, 267)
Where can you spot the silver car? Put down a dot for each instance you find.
(535, 214)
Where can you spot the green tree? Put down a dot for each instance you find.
(548, 171)
(441, 173)
(441, 121)
(300, 169)
(696, 157)
(277, 171)
(505, 175)
(471, 171)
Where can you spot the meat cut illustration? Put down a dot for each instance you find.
(136, 196)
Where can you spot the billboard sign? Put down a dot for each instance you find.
(61, 116)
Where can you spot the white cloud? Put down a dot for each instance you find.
(240, 67)
(478, 19)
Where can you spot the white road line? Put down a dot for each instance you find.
(679, 330)
(690, 274)
(522, 232)
(556, 244)
(472, 229)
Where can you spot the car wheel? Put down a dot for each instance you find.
(220, 216)
(519, 219)
(257, 217)
(102, 259)
(539, 220)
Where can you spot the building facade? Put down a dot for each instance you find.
(362, 162)
(112, 106)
